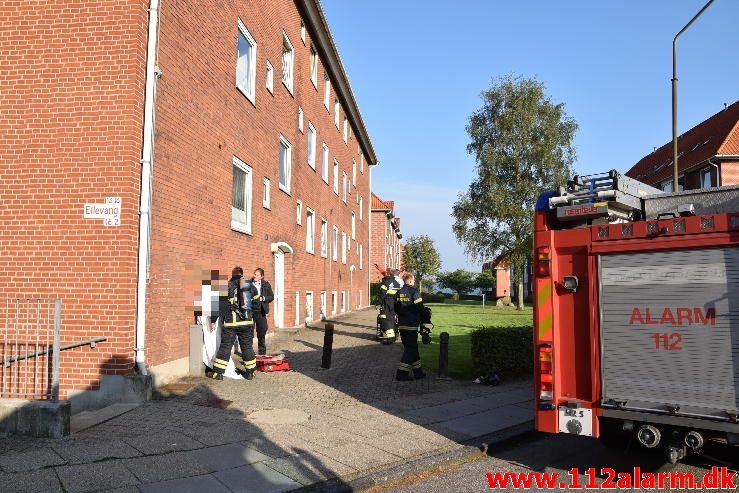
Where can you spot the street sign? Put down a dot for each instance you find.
(109, 211)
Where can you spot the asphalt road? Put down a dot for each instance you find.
(536, 452)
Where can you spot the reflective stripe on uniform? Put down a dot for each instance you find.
(389, 333)
(240, 323)
(383, 287)
(250, 364)
(383, 316)
(418, 300)
(404, 327)
(404, 366)
(392, 291)
(417, 364)
(219, 363)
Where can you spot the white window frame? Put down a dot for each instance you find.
(361, 208)
(335, 243)
(354, 226)
(337, 112)
(299, 212)
(324, 307)
(336, 177)
(702, 173)
(326, 91)
(301, 117)
(312, 138)
(297, 308)
(308, 306)
(325, 163)
(270, 78)
(310, 230)
(284, 143)
(302, 32)
(343, 247)
(346, 130)
(237, 225)
(248, 90)
(344, 185)
(361, 162)
(324, 237)
(361, 257)
(354, 172)
(266, 193)
(314, 66)
(334, 302)
(343, 300)
(288, 62)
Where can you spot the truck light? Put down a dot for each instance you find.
(546, 377)
(542, 261)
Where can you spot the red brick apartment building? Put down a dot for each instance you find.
(708, 156)
(387, 250)
(240, 122)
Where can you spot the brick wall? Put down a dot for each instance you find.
(70, 134)
(385, 244)
(730, 173)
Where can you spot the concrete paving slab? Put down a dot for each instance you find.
(165, 467)
(227, 456)
(464, 407)
(267, 446)
(93, 477)
(406, 446)
(255, 478)
(163, 442)
(361, 456)
(87, 419)
(43, 481)
(28, 461)
(488, 422)
(222, 433)
(195, 484)
(309, 467)
(85, 451)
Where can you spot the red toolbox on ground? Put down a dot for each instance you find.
(273, 362)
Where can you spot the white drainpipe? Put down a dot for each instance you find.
(147, 158)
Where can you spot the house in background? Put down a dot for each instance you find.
(708, 156)
(387, 250)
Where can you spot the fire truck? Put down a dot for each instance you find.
(636, 314)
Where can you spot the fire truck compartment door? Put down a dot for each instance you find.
(670, 331)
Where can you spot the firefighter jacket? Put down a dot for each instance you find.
(236, 307)
(388, 289)
(409, 307)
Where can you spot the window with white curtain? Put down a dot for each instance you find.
(311, 146)
(270, 78)
(285, 164)
(324, 163)
(324, 238)
(336, 177)
(334, 243)
(246, 60)
(241, 193)
(326, 91)
(310, 230)
(314, 66)
(288, 62)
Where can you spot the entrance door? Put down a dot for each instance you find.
(279, 302)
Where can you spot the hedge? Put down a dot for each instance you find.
(432, 298)
(507, 351)
(375, 293)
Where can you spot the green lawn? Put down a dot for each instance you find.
(459, 319)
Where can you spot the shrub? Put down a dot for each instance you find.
(375, 293)
(507, 351)
(432, 298)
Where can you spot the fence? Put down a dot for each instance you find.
(29, 338)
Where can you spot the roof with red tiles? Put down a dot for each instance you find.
(718, 135)
(382, 205)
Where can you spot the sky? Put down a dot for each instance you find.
(417, 69)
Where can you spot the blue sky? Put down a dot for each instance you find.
(417, 69)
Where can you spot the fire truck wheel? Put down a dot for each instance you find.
(612, 435)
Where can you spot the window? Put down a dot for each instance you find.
(308, 306)
(299, 212)
(343, 301)
(311, 146)
(354, 172)
(706, 178)
(265, 193)
(344, 186)
(354, 225)
(285, 164)
(334, 243)
(241, 196)
(246, 58)
(270, 79)
(343, 247)
(313, 66)
(324, 238)
(326, 90)
(361, 162)
(288, 58)
(361, 207)
(297, 308)
(324, 163)
(336, 177)
(337, 110)
(302, 32)
(323, 305)
(333, 302)
(667, 185)
(300, 119)
(310, 230)
(361, 255)
(346, 130)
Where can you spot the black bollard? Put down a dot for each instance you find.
(443, 354)
(328, 343)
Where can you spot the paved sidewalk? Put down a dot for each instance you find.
(280, 432)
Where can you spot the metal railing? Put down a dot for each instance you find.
(29, 341)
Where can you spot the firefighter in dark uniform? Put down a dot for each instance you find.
(411, 314)
(386, 318)
(236, 310)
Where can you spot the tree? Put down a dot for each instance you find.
(484, 281)
(522, 144)
(460, 281)
(421, 258)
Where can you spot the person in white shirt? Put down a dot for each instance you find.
(212, 324)
(260, 307)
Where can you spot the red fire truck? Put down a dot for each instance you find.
(636, 314)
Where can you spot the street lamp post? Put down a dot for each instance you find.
(674, 96)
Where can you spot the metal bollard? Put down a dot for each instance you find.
(443, 354)
(328, 343)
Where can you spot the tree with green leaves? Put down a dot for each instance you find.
(522, 142)
(484, 281)
(460, 281)
(421, 258)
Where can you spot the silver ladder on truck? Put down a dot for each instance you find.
(602, 197)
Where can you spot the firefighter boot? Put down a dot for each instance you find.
(418, 374)
(216, 376)
(249, 374)
(403, 376)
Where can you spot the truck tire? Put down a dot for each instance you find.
(612, 435)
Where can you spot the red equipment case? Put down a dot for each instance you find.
(273, 362)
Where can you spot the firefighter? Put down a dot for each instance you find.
(386, 318)
(411, 314)
(238, 323)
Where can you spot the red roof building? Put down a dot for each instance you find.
(708, 155)
(385, 236)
